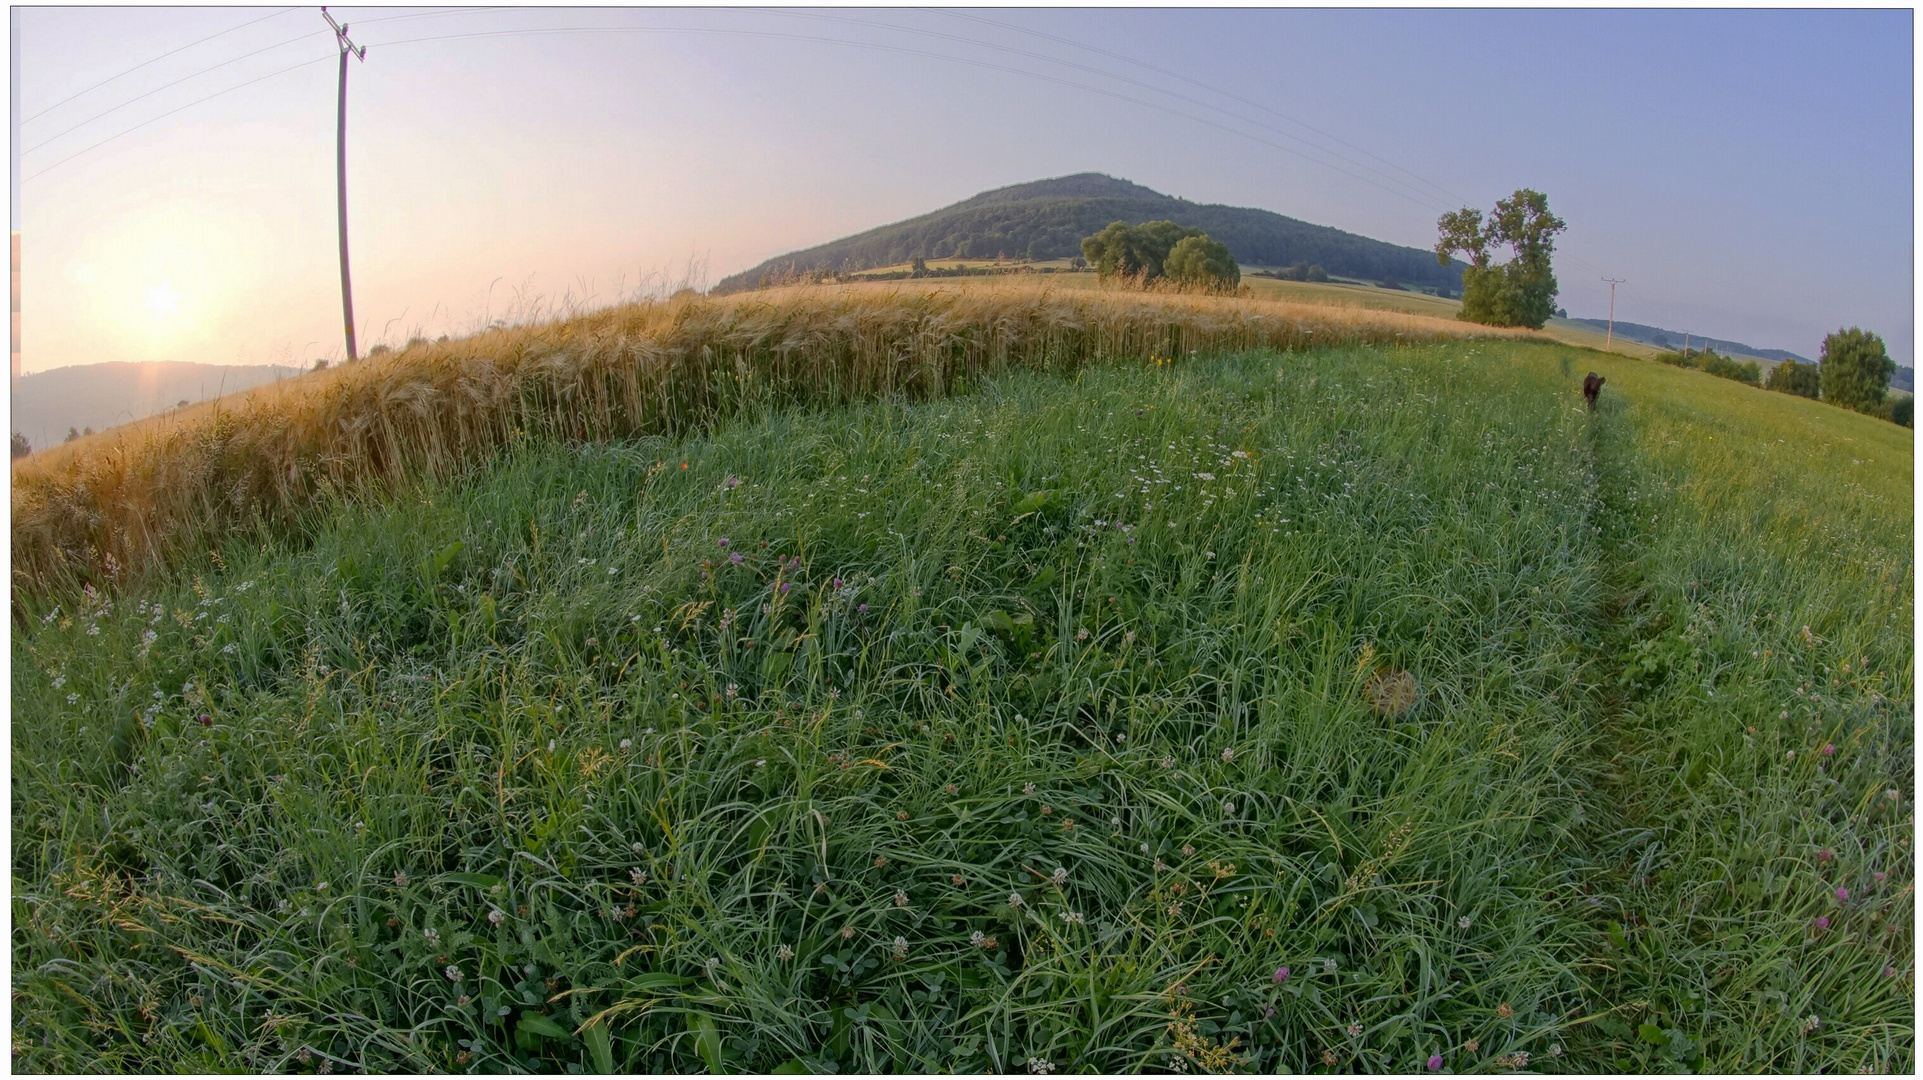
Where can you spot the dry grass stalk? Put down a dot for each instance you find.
(121, 504)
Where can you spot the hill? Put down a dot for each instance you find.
(1674, 339)
(850, 680)
(99, 396)
(1047, 219)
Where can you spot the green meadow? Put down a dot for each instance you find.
(1348, 709)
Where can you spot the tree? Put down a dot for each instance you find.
(1203, 262)
(1790, 377)
(72, 434)
(1136, 251)
(1520, 292)
(1903, 410)
(21, 447)
(1856, 369)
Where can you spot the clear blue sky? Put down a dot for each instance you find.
(1748, 172)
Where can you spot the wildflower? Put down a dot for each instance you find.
(786, 585)
(977, 938)
(1281, 976)
(636, 847)
(1028, 788)
(1355, 1031)
(1175, 909)
(1435, 1062)
(400, 879)
(847, 933)
(1463, 923)
(732, 691)
(957, 880)
(453, 973)
(1015, 899)
(1329, 964)
(862, 608)
(431, 935)
(1825, 855)
(1168, 763)
(784, 953)
(639, 875)
(901, 898)
(1829, 749)
(1505, 1010)
(1040, 1067)
(1812, 1022)
(1061, 876)
(949, 789)
(1842, 893)
(1160, 866)
(1880, 875)
(1473, 1046)
(881, 861)
(1144, 848)
(627, 744)
(1073, 918)
(1082, 634)
(901, 947)
(1228, 754)
(1047, 810)
(1889, 971)
(1891, 795)
(1328, 1058)
(1822, 922)
(1188, 849)
(1555, 1049)
(1228, 809)
(737, 558)
(1205, 476)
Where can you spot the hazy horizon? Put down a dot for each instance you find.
(1748, 173)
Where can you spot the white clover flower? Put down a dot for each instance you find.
(627, 744)
(453, 973)
(430, 935)
(977, 938)
(496, 916)
(784, 953)
(1060, 876)
(1015, 899)
(1463, 923)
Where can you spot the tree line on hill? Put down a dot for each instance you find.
(1853, 373)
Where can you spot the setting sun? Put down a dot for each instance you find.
(163, 300)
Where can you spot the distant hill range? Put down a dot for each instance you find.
(1904, 379)
(1047, 219)
(100, 396)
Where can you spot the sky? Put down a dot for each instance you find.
(1748, 174)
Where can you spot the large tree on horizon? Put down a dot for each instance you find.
(1855, 369)
(1520, 292)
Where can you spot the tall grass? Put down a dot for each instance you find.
(137, 498)
(1030, 727)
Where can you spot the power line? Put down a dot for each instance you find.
(169, 86)
(222, 64)
(170, 112)
(1419, 195)
(156, 59)
(904, 50)
(1205, 86)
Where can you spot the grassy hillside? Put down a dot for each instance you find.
(1331, 708)
(104, 510)
(1047, 219)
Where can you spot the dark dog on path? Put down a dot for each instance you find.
(1591, 386)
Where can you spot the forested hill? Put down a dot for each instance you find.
(1047, 219)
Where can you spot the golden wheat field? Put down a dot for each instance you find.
(122, 502)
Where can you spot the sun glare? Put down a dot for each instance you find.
(163, 300)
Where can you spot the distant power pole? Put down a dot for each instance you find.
(1685, 344)
(347, 286)
(1608, 342)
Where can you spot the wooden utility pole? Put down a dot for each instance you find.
(1609, 341)
(347, 286)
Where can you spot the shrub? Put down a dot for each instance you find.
(1203, 262)
(21, 447)
(1725, 367)
(1901, 410)
(1790, 377)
